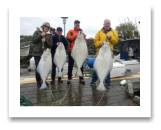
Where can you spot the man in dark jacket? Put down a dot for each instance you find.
(40, 36)
(58, 37)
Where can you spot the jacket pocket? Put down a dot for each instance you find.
(37, 49)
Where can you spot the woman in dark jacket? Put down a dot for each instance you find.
(42, 39)
(58, 37)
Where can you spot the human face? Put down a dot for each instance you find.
(59, 33)
(107, 25)
(77, 25)
(46, 27)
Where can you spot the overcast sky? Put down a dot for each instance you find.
(89, 25)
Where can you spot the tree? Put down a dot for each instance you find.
(127, 30)
(52, 29)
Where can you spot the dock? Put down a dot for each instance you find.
(77, 94)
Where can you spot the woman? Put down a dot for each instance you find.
(42, 39)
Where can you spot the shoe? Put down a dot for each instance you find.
(52, 81)
(92, 83)
(81, 80)
(59, 80)
(47, 83)
(107, 86)
(38, 85)
(69, 82)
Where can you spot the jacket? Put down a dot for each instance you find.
(56, 39)
(101, 37)
(71, 36)
(37, 43)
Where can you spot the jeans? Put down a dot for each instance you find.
(95, 78)
(37, 59)
(70, 67)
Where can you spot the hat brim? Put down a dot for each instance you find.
(77, 22)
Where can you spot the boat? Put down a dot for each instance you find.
(25, 56)
(24, 50)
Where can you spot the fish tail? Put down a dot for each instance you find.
(60, 74)
(79, 73)
(43, 86)
(101, 87)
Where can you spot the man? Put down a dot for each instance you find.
(71, 36)
(106, 33)
(58, 37)
(40, 36)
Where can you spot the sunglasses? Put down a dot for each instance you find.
(46, 26)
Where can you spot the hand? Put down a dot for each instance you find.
(108, 36)
(43, 34)
(43, 40)
(102, 43)
(57, 43)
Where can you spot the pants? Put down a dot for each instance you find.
(37, 59)
(70, 67)
(95, 78)
(53, 72)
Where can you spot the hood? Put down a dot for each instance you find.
(40, 29)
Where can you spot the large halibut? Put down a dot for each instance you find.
(45, 66)
(79, 52)
(60, 58)
(103, 64)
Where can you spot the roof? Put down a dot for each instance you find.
(136, 39)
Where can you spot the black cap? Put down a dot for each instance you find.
(59, 29)
(76, 21)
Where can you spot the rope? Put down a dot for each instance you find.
(25, 63)
(61, 100)
(85, 97)
(23, 99)
(100, 99)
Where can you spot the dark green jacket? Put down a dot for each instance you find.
(37, 43)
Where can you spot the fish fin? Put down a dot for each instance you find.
(101, 87)
(79, 73)
(60, 74)
(43, 86)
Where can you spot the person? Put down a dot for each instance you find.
(58, 37)
(40, 36)
(71, 36)
(109, 34)
(130, 53)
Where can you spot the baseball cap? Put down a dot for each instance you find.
(59, 29)
(76, 21)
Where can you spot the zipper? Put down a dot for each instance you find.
(71, 33)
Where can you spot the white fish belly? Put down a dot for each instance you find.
(101, 66)
(79, 54)
(59, 60)
(44, 68)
